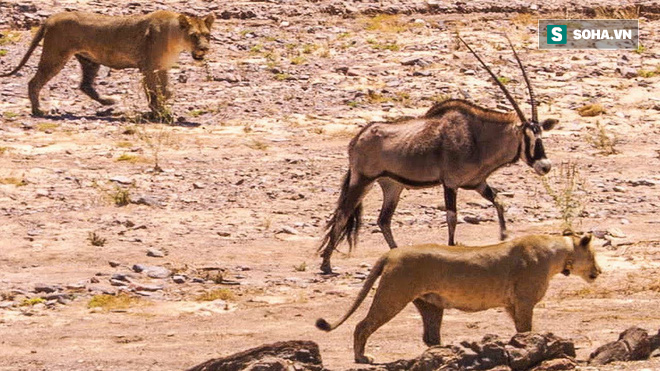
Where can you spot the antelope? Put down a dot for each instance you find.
(456, 144)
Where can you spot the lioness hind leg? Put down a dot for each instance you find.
(385, 306)
(432, 318)
(51, 63)
(89, 71)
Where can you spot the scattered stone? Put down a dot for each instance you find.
(198, 185)
(152, 271)
(633, 344)
(285, 355)
(179, 279)
(155, 253)
(288, 230)
(471, 219)
(40, 287)
(114, 263)
(619, 189)
(150, 288)
(122, 180)
(223, 234)
(616, 233)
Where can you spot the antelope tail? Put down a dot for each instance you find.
(350, 229)
(35, 42)
(376, 271)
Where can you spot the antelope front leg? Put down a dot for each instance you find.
(489, 194)
(450, 205)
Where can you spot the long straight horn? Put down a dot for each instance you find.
(529, 86)
(498, 82)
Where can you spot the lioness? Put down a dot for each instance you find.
(151, 43)
(513, 274)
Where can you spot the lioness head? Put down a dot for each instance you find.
(584, 262)
(197, 33)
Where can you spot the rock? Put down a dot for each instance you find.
(198, 185)
(288, 230)
(471, 219)
(155, 253)
(178, 279)
(285, 355)
(144, 200)
(122, 180)
(555, 365)
(40, 287)
(616, 233)
(114, 264)
(633, 344)
(152, 271)
(416, 62)
(143, 287)
(621, 189)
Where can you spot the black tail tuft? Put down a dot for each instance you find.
(349, 231)
(322, 324)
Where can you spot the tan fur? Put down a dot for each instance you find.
(152, 43)
(513, 274)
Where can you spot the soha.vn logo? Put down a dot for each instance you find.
(557, 34)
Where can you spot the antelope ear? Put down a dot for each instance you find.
(208, 21)
(585, 240)
(549, 124)
(184, 22)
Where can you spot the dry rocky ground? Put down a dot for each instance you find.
(224, 237)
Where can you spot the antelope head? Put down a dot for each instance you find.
(531, 146)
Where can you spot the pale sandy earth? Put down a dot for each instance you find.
(262, 151)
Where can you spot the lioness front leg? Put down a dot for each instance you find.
(432, 318)
(164, 91)
(89, 71)
(522, 316)
(155, 96)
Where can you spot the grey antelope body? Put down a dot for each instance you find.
(456, 144)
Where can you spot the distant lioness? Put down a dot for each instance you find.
(513, 274)
(151, 43)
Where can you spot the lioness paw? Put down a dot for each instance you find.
(366, 359)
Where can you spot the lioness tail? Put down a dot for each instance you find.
(376, 271)
(35, 42)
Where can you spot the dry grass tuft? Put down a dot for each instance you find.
(217, 294)
(113, 302)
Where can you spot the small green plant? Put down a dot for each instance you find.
(9, 115)
(121, 196)
(504, 80)
(640, 49)
(196, 112)
(125, 157)
(221, 294)
(9, 37)
(299, 59)
(567, 190)
(393, 46)
(590, 110)
(301, 267)
(352, 103)
(603, 141)
(155, 140)
(386, 23)
(3, 52)
(282, 76)
(374, 97)
(258, 145)
(47, 126)
(246, 31)
(95, 239)
(113, 302)
(257, 48)
(28, 302)
(18, 182)
(309, 48)
(124, 144)
(649, 73)
(3, 150)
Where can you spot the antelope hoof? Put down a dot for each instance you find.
(326, 268)
(107, 101)
(364, 359)
(36, 112)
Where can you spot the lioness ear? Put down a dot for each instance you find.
(208, 21)
(585, 240)
(549, 124)
(184, 23)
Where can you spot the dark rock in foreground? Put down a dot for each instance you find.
(634, 344)
(285, 355)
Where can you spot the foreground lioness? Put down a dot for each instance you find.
(151, 43)
(513, 274)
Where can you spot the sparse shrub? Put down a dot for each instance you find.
(113, 302)
(221, 294)
(95, 239)
(590, 110)
(620, 12)
(28, 302)
(121, 196)
(46, 126)
(602, 141)
(567, 190)
(9, 37)
(18, 182)
(393, 46)
(387, 23)
(299, 59)
(258, 145)
(300, 267)
(504, 80)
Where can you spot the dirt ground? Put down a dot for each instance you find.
(251, 173)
